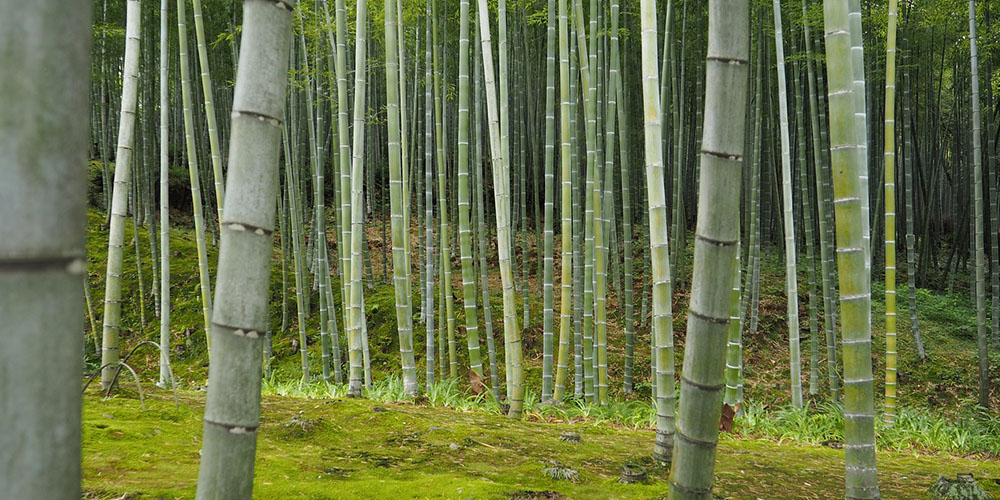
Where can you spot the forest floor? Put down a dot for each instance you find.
(333, 447)
(352, 448)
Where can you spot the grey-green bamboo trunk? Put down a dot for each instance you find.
(43, 150)
(119, 197)
(861, 479)
(716, 243)
(232, 408)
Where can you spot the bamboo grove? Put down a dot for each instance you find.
(570, 200)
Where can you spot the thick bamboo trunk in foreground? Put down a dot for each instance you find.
(43, 153)
(240, 318)
(716, 242)
(855, 287)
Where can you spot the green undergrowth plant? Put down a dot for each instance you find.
(971, 432)
(450, 394)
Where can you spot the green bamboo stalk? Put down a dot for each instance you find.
(625, 150)
(677, 218)
(734, 345)
(44, 141)
(861, 480)
(232, 407)
(291, 181)
(90, 315)
(481, 220)
(135, 234)
(911, 254)
(715, 247)
(501, 182)
(354, 327)
(861, 120)
(441, 339)
(194, 175)
(504, 145)
(890, 217)
(319, 209)
(119, 197)
(977, 165)
(523, 199)
(429, 202)
(400, 226)
(578, 232)
(283, 230)
(344, 136)
(439, 134)
(548, 291)
(791, 278)
(207, 91)
(588, 85)
(601, 351)
(658, 236)
(404, 145)
(826, 260)
(566, 209)
(464, 216)
(808, 229)
(755, 191)
(105, 118)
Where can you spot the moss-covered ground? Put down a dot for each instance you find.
(350, 448)
(339, 448)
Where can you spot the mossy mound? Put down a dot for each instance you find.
(963, 487)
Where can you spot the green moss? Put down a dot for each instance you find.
(350, 451)
(414, 451)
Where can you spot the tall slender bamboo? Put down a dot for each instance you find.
(626, 182)
(164, 198)
(791, 279)
(440, 130)
(861, 120)
(578, 232)
(591, 212)
(429, 202)
(481, 220)
(911, 253)
(355, 325)
(319, 208)
(232, 408)
(207, 91)
(119, 197)
(400, 226)
(344, 136)
(752, 297)
(601, 340)
(734, 344)
(43, 149)
(715, 246)
(658, 236)
(566, 209)
(861, 481)
(291, 190)
(977, 165)
(548, 291)
(826, 268)
(808, 229)
(464, 215)
(501, 182)
(194, 175)
(890, 217)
